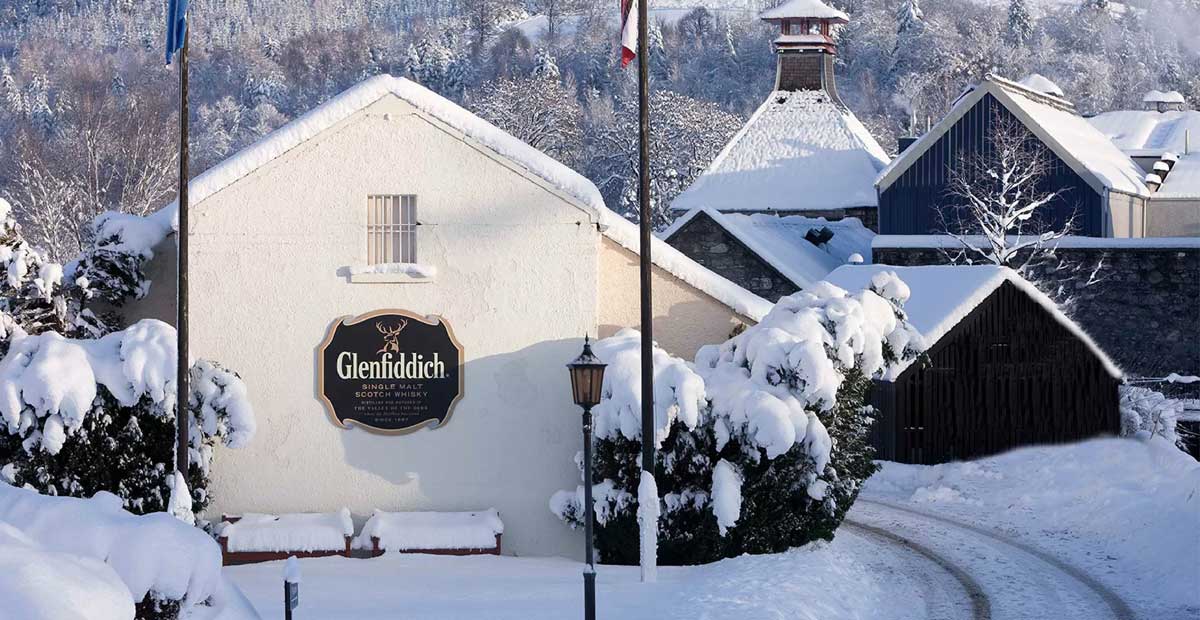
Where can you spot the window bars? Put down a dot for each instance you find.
(391, 229)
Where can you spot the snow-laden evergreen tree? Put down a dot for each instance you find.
(910, 54)
(660, 63)
(545, 66)
(762, 444)
(1020, 23)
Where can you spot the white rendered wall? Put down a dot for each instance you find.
(517, 279)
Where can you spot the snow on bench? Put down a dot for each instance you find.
(254, 537)
(442, 533)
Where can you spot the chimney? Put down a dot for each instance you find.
(805, 48)
(905, 142)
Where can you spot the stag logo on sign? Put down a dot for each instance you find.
(390, 371)
(391, 336)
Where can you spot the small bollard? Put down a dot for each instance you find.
(291, 586)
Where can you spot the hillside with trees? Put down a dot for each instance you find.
(88, 110)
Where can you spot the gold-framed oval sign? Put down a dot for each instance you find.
(390, 371)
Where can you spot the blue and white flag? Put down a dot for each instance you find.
(176, 26)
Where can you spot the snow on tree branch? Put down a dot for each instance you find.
(49, 383)
(998, 194)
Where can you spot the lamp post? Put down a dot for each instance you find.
(587, 379)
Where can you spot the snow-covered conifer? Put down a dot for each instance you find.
(761, 445)
(1020, 23)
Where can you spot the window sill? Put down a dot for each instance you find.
(388, 278)
(393, 273)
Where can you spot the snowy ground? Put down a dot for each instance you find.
(1101, 529)
(1124, 513)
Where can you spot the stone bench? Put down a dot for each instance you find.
(254, 537)
(439, 533)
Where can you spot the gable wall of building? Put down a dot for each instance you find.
(685, 318)
(517, 274)
(707, 243)
(910, 205)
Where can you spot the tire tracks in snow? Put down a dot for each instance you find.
(1117, 606)
(981, 606)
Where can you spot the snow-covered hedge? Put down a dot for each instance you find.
(762, 442)
(86, 406)
(86, 542)
(1147, 413)
(81, 416)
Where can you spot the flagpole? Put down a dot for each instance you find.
(182, 368)
(644, 218)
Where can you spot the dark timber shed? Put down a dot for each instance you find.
(1003, 367)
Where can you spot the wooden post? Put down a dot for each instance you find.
(181, 306)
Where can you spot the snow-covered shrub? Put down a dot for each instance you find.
(86, 407)
(82, 416)
(40, 584)
(1147, 413)
(162, 564)
(762, 443)
(35, 295)
(113, 261)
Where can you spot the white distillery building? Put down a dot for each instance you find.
(391, 197)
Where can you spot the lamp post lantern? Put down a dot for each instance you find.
(587, 379)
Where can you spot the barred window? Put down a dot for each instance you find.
(391, 229)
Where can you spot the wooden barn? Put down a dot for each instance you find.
(1003, 367)
(1099, 187)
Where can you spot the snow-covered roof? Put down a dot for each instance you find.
(1054, 121)
(627, 235)
(799, 9)
(1042, 84)
(572, 185)
(779, 241)
(366, 92)
(1183, 182)
(1158, 96)
(943, 295)
(800, 150)
(1147, 133)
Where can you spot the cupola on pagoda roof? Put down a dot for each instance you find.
(804, 9)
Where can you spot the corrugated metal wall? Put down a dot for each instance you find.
(910, 205)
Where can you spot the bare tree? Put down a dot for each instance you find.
(539, 109)
(998, 200)
(999, 213)
(97, 151)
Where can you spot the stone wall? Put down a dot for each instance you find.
(1143, 307)
(703, 241)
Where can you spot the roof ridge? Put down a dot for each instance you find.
(1059, 102)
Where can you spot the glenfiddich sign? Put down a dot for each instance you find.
(390, 371)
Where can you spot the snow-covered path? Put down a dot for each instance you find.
(1019, 580)
(945, 590)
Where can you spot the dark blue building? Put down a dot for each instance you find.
(1100, 188)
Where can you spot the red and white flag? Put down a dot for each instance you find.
(629, 31)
